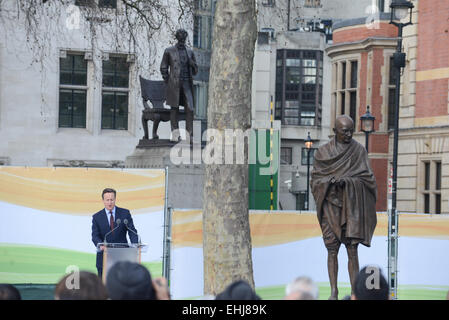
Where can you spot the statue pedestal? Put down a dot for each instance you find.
(185, 170)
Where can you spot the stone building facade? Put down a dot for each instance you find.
(69, 82)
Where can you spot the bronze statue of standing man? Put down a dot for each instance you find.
(345, 191)
(178, 67)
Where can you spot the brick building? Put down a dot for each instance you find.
(362, 75)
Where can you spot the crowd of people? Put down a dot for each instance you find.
(132, 281)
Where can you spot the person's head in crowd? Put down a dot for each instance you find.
(9, 292)
(130, 281)
(370, 285)
(238, 290)
(302, 288)
(83, 285)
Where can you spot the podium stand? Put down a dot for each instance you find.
(115, 252)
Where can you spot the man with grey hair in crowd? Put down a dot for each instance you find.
(302, 288)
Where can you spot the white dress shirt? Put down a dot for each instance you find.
(108, 215)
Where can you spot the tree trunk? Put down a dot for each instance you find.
(226, 230)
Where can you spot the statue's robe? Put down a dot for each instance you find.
(352, 207)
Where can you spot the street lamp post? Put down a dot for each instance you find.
(308, 143)
(367, 125)
(399, 11)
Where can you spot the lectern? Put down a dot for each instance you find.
(115, 252)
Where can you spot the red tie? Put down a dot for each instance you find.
(111, 220)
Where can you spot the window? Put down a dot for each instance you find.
(101, 3)
(312, 3)
(263, 38)
(203, 24)
(381, 5)
(72, 91)
(84, 2)
(437, 187)
(286, 155)
(343, 102)
(426, 175)
(431, 193)
(437, 203)
(353, 105)
(307, 117)
(299, 87)
(354, 72)
(345, 88)
(107, 4)
(201, 98)
(202, 32)
(203, 4)
(438, 175)
(268, 3)
(304, 156)
(114, 103)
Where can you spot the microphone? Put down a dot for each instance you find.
(117, 222)
(125, 221)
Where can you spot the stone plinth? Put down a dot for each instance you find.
(185, 179)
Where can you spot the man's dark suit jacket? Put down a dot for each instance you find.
(100, 227)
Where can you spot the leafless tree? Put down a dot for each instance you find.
(226, 230)
(133, 26)
(34, 31)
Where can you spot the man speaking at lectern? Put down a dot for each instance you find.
(110, 225)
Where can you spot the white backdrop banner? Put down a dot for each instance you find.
(289, 244)
(52, 208)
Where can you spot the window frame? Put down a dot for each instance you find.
(289, 155)
(298, 89)
(99, 3)
(345, 89)
(116, 91)
(203, 22)
(73, 87)
(431, 185)
(201, 91)
(312, 4)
